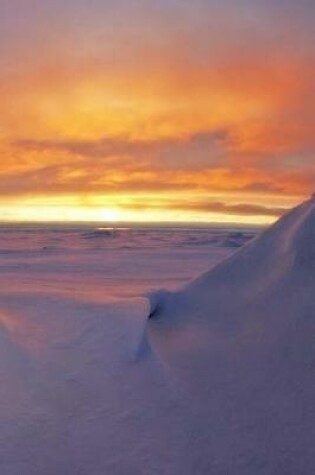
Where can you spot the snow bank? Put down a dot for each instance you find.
(219, 380)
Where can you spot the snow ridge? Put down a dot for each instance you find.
(284, 252)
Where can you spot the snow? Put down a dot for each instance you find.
(110, 262)
(213, 377)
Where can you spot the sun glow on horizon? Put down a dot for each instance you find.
(139, 208)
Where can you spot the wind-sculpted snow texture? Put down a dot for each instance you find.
(214, 378)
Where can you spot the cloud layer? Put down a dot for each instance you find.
(207, 99)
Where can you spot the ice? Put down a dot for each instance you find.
(112, 262)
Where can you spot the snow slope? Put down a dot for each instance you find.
(217, 378)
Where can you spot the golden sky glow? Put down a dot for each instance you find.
(156, 110)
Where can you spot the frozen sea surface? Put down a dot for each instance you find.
(114, 262)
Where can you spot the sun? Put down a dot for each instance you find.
(109, 215)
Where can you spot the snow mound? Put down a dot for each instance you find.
(282, 257)
(242, 336)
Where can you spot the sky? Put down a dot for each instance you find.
(156, 110)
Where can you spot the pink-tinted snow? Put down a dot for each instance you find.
(209, 377)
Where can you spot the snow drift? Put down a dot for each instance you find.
(219, 380)
(283, 256)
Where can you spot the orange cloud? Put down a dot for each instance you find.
(186, 103)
